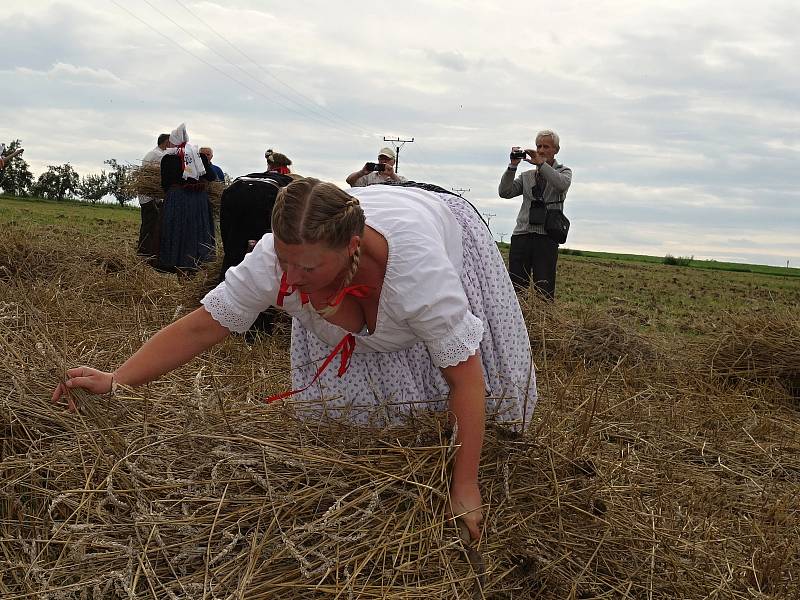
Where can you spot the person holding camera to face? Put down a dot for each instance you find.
(534, 242)
(379, 172)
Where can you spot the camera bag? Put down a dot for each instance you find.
(556, 225)
(537, 213)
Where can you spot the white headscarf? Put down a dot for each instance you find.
(192, 163)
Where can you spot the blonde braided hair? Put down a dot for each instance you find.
(312, 211)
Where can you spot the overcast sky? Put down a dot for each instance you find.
(679, 119)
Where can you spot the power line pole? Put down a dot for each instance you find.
(502, 236)
(488, 217)
(460, 191)
(402, 143)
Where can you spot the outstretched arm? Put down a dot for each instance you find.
(168, 349)
(468, 405)
(4, 159)
(356, 175)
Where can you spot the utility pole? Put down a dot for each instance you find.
(502, 235)
(402, 143)
(460, 191)
(488, 217)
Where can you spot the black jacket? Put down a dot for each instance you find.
(246, 213)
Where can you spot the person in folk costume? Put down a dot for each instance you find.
(245, 215)
(246, 208)
(405, 283)
(187, 232)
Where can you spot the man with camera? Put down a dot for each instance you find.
(534, 243)
(379, 172)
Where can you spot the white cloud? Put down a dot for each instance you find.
(674, 126)
(71, 74)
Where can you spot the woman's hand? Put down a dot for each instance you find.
(91, 380)
(466, 505)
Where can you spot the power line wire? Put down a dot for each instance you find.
(313, 104)
(218, 70)
(322, 119)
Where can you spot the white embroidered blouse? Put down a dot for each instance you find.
(421, 299)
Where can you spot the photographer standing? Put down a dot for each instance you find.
(534, 254)
(379, 172)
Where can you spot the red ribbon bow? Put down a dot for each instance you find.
(182, 154)
(288, 290)
(359, 291)
(346, 346)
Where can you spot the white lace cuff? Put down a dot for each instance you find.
(459, 344)
(221, 309)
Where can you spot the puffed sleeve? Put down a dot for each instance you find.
(170, 170)
(435, 306)
(249, 288)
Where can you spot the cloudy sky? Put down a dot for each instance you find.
(680, 120)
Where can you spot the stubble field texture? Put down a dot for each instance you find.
(663, 461)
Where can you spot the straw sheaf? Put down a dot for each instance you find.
(641, 477)
(146, 181)
(759, 347)
(588, 336)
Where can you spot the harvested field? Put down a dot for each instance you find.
(664, 460)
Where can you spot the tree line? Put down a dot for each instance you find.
(62, 182)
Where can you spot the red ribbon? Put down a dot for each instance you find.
(359, 291)
(346, 346)
(288, 290)
(182, 154)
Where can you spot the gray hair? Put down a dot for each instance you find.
(551, 134)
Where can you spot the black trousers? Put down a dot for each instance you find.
(149, 230)
(533, 257)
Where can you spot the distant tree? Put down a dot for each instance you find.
(93, 187)
(681, 261)
(57, 183)
(119, 181)
(16, 179)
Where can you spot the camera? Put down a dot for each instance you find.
(517, 154)
(371, 166)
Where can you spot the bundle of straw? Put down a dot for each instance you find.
(588, 335)
(758, 347)
(146, 181)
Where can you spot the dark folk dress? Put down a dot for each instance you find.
(187, 227)
(245, 215)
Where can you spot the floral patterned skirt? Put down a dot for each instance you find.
(381, 388)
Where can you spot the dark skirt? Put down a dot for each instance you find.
(187, 231)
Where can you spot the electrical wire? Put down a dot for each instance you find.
(228, 75)
(312, 103)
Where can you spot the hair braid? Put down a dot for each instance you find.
(354, 260)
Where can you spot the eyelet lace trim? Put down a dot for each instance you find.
(461, 342)
(223, 314)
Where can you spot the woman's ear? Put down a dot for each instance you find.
(355, 242)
